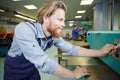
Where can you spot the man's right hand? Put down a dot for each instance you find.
(80, 72)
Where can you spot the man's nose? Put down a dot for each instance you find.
(63, 25)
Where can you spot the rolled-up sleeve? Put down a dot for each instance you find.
(66, 46)
(25, 38)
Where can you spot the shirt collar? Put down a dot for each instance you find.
(40, 33)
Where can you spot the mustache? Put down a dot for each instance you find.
(60, 27)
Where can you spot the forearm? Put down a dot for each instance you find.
(63, 72)
(89, 52)
(107, 49)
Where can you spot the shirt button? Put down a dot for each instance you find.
(33, 45)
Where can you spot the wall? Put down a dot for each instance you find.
(101, 16)
(8, 22)
(119, 16)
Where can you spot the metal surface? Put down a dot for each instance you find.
(97, 39)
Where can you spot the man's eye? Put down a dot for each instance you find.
(60, 19)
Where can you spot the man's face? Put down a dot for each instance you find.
(56, 23)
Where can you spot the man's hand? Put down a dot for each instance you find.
(80, 72)
(108, 49)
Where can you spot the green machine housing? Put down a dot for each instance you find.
(97, 39)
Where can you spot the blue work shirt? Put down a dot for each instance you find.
(30, 41)
(75, 33)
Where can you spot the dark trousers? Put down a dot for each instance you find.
(19, 68)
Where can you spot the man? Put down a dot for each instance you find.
(75, 32)
(27, 57)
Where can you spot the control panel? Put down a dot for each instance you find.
(117, 43)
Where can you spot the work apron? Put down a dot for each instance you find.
(19, 68)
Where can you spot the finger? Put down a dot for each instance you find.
(112, 52)
(86, 73)
(112, 47)
(84, 70)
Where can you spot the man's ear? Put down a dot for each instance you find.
(46, 19)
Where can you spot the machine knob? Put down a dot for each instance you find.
(87, 76)
(116, 55)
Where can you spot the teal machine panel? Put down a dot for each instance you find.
(97, 39)
(82, 78)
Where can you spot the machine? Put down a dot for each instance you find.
(97, 39)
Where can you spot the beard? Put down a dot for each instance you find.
(55, 32)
